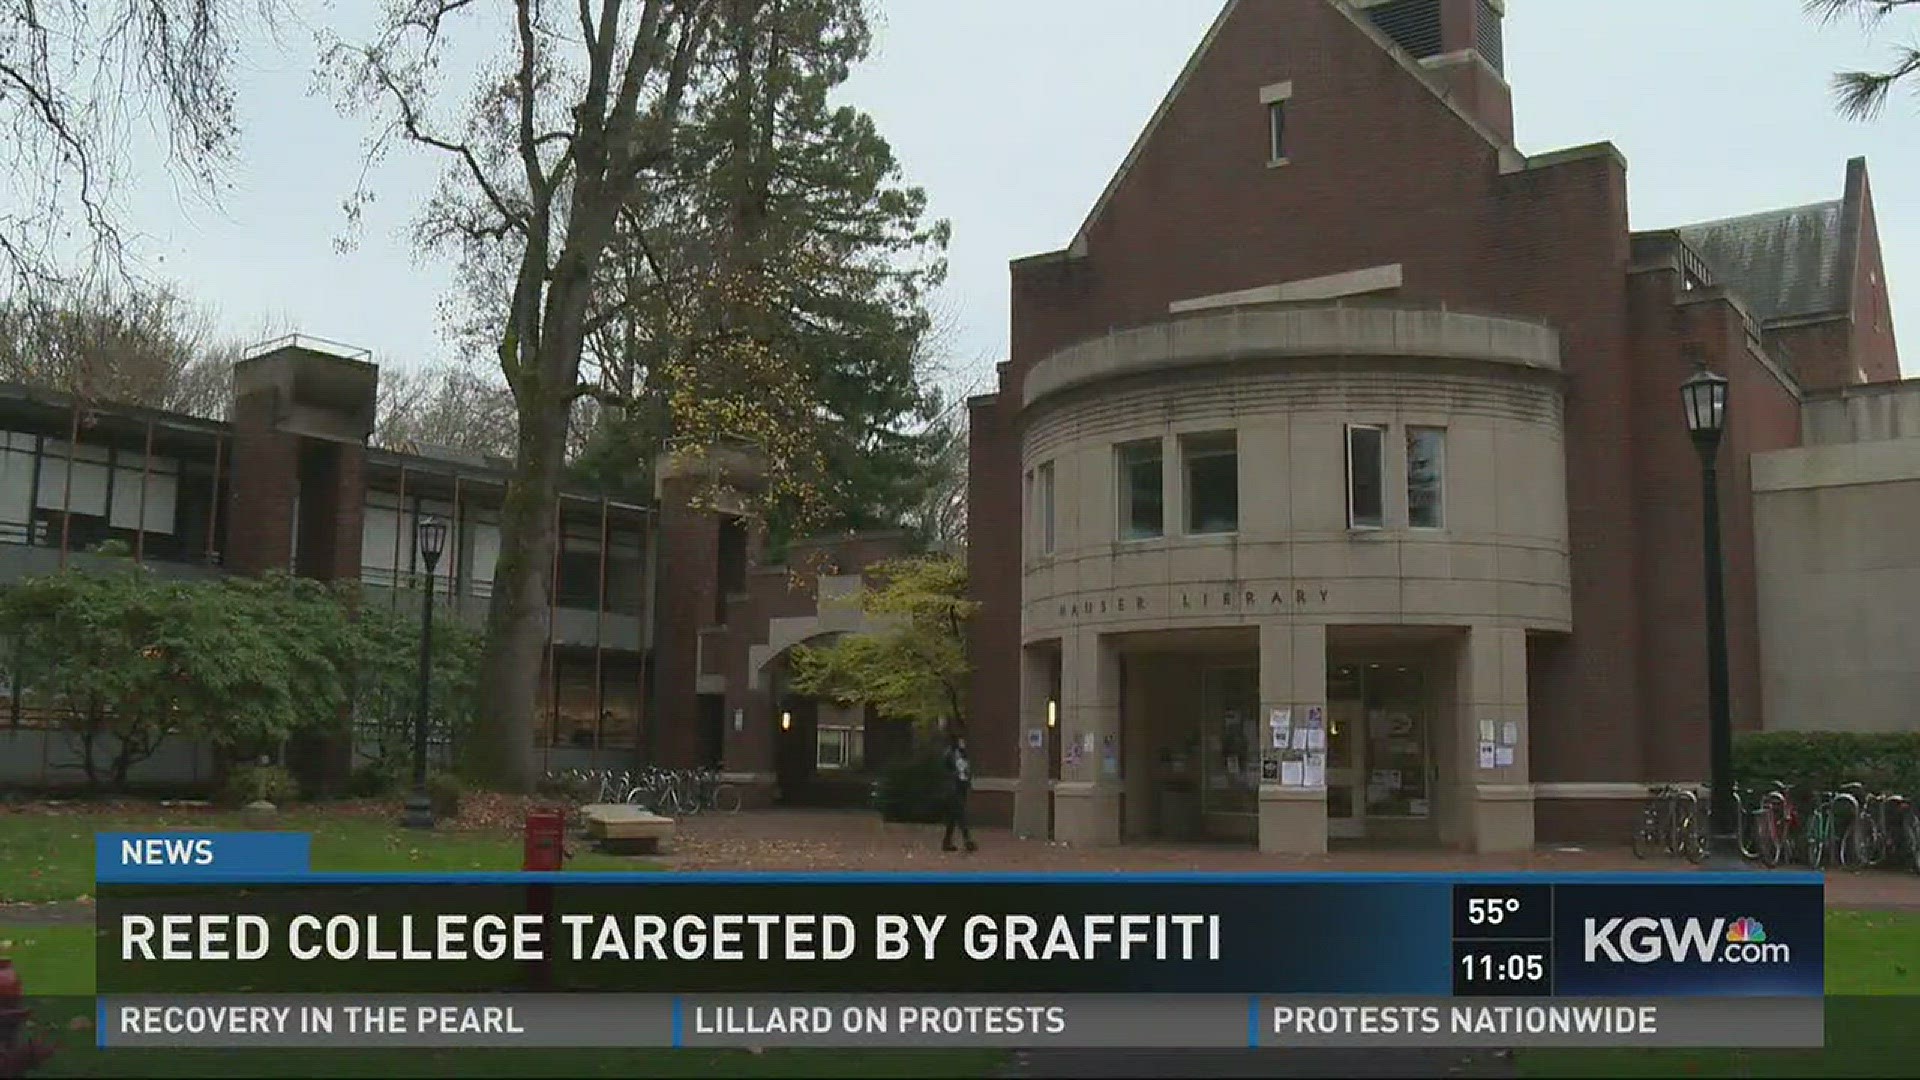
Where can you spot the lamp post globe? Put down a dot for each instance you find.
(430, 541)
(1704, 401)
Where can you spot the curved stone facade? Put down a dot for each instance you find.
(1287, 383)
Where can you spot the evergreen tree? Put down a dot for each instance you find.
(786, 235)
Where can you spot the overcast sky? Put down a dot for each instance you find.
(1013, 114)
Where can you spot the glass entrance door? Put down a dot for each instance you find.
(1229, 744)
(1380, 769)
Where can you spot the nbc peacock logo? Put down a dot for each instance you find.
(1746, 931)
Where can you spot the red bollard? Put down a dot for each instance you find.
(546, 850)
(546, 847)
(19, 1051)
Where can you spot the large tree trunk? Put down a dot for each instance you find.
(501, 750)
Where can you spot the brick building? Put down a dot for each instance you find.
(667, 640)
(1336, 482)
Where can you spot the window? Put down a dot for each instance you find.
(837, 747)
(88, 494)
(1043, 485)
(389, 541)
(1275, 99)
(162, 493)
(16, 486)
(1213, 483)
(1365, 488)
(483, 551)
(1426, 477)
(1142, 501)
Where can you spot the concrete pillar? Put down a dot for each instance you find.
(1087, 799)
(1491, 682)
(1032, 799)
(1293, 675)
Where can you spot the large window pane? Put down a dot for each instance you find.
(16, 492)
(1365, 487)
(89, 494)
(381, 553)
(483, 547)
(163, 493)
(1426, 477)
(1213, 483)
(1142, 515)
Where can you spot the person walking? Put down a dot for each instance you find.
(960, 785)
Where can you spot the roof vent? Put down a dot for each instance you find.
(1486, 36)
(1414, 25)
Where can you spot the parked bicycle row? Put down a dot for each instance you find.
(671, 792)
(1851, 827)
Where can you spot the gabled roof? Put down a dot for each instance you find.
(1412, 66)
(1784, 264)
(1790, 264)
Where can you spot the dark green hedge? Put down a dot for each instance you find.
(1824, 760)
(914, 788)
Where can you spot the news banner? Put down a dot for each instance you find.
(231, 940)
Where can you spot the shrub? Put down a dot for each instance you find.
(445, 791)
(379, 779)
(1824, 760)
(914, 788)
(254, 783)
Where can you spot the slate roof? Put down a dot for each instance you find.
(1782, 263)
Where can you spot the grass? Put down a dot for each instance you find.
(48, 856)
(1873, 988)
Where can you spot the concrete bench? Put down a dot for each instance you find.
(627, 830)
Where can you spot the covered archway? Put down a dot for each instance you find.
(825, 754)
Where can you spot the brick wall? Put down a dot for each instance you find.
(688, 579)
(263, 471)
(1381, 172)
(1873, 347)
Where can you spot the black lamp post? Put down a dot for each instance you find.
(431, 535)
(1705, 398)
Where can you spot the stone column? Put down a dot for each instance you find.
(1087, 799)
(1293, 675)
(1492, 686)
(1032, 801)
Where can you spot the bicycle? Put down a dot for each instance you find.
(1671, 822)
(1833, 814)
(1781, 824)
(1913, 836)
(715, 793)
(1873, 838)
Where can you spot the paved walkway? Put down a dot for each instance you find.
(857, 840)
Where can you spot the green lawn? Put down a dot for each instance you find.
(48, 856)
(1873, 1005)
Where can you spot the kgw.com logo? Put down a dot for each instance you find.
(1708, 941)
